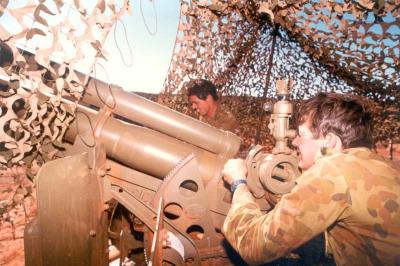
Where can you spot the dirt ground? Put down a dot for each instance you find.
(13, 223)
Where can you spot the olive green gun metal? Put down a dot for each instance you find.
(135, 172)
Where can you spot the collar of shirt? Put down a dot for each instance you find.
(326, 152)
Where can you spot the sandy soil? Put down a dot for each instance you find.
(13, 222)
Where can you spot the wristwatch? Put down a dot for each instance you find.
(236, 183)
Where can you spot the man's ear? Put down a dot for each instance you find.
(333, 141)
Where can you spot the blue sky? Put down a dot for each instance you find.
(151, 53)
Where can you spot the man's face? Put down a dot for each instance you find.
(307, 146)
(199, 105)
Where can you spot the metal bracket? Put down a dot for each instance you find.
(186, 208)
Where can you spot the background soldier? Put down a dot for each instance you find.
(203, 98)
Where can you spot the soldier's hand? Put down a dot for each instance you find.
(234, 169)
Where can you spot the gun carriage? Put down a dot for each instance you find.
(134, 170)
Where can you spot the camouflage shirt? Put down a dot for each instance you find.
(223, 119)
(354, 196)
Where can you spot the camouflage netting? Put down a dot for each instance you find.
(245, 46)
(33, 119)
(32, 123)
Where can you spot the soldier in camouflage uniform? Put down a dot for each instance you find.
(346, 191)
(203, 98)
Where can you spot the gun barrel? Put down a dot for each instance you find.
(141, 148)
(161, 118)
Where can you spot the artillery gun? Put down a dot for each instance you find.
(134, 171)
(133, 179)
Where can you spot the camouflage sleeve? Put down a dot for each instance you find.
(229, 123)
(313, 205)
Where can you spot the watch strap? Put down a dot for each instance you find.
(236, 183)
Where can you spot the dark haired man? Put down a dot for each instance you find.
(346, 191)
(203, 98)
